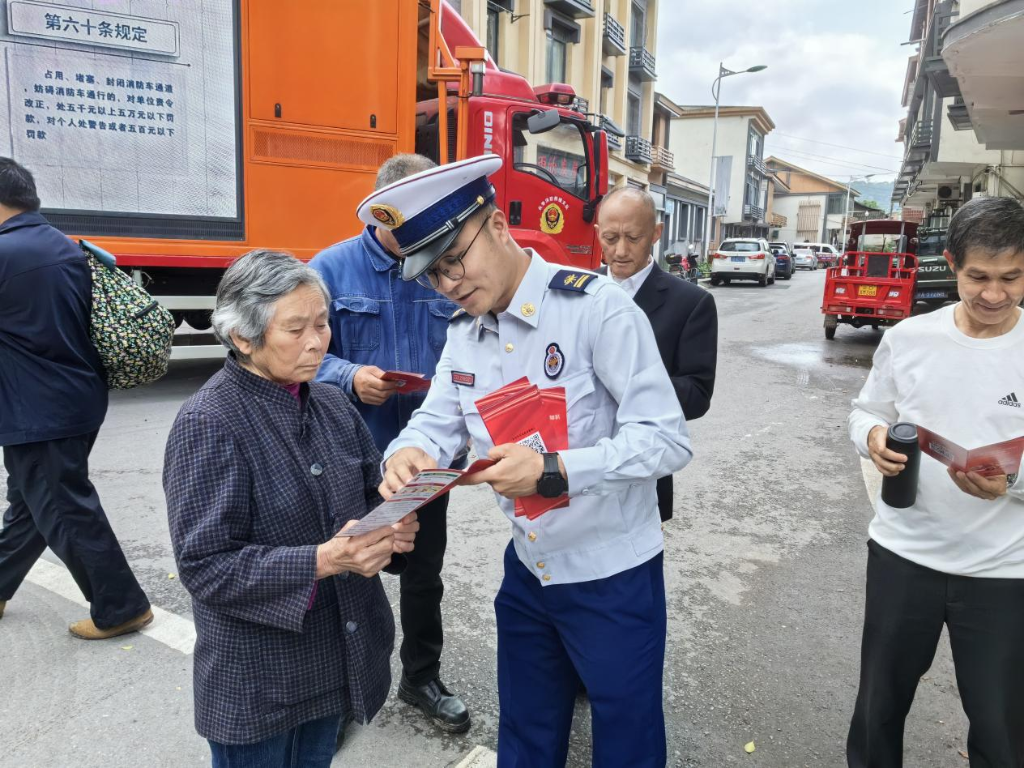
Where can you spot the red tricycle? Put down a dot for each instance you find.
(873, 283)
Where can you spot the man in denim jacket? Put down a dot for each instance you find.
(379, 323)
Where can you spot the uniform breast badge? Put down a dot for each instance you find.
(554, 361)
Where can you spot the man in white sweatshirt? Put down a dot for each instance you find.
(956, 557)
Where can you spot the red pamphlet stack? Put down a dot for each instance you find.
(521, 412)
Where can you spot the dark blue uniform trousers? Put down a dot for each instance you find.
(609, 633)
(52, 503)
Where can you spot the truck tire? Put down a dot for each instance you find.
(199, 319)
(716, 280)
(831, 323)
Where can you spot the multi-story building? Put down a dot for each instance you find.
(961, 129)
(604, 49)
(683, 201)
(813, 206)
(741, 177)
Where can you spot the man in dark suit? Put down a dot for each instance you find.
(683, 315)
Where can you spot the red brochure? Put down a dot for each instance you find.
(407, 382)
(488, 402)
(996, 459)
(521, 413)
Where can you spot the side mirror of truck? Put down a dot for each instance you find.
(543, 121)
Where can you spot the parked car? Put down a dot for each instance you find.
(787, 247)
(743, 258)
(784, 266)
(827, 255)
(936, 283)
(805, 258)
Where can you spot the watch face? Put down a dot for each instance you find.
(551, 486)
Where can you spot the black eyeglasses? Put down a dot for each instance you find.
(449, 266)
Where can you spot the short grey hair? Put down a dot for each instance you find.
(993, 225)
(398, 167)
(250, 288)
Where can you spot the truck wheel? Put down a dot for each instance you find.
(199, 319)
(716, 280)
(831, 323)
(726, 280)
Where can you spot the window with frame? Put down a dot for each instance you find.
(558, 156)
(493, 30)
(561, 33)
(638, 25)
(634, 99)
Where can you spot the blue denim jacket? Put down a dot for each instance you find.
(379, 319)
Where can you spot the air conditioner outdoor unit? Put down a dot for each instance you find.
(949, 193)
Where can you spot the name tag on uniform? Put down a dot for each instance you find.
(463, 379)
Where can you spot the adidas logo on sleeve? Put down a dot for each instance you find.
(1010, 400)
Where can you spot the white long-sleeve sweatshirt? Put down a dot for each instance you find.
(927, 372)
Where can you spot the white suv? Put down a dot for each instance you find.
(743, 258)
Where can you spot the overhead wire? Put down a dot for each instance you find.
(833, 161)
(837, 146)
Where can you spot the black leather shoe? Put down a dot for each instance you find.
(438, 703)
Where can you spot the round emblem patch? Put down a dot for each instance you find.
(387, 215)
(554, 361)
(552, 219)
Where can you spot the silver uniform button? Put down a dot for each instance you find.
(351, 627)
(316, 470)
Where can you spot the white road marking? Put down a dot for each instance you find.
(168, 628)
(480, 757)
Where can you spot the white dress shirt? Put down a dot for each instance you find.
(632, 283)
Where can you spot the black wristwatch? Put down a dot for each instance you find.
(551, 484)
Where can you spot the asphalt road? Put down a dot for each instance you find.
(764, 568)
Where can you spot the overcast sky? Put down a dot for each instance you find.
(835, 73)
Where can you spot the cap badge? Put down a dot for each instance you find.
(387, 215)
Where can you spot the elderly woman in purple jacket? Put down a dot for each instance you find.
(263, 467)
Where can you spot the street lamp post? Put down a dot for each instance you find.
(716, 89)
(846, 210)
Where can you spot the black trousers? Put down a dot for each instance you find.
(421, 592)
(907, 605)
(53, 504)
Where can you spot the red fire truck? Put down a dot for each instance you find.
(179, 143)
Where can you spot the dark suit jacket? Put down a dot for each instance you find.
(685, 324)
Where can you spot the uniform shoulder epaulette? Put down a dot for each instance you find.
(574, 280)
(459, 314)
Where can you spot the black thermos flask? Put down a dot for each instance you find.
(901, 491)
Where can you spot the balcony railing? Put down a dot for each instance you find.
(753, 212)
(614, 133)
(576, 9)
(921, 137)
(614, 39)
(641, 63)
(778, 220)
(757, 164)
(638, 149)
(662, 159)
